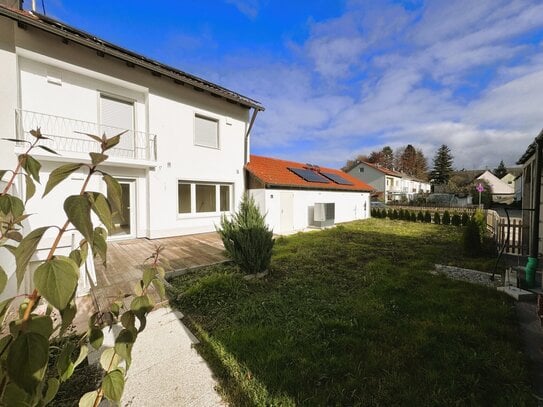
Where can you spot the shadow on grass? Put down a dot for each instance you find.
(349, 316)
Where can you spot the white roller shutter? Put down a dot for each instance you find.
(117, 115)
(206, 132)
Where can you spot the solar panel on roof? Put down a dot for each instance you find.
(309, 176)
(338, 179)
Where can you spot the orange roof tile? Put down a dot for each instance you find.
(275, 172)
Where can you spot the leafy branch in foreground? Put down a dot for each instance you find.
(30, 335)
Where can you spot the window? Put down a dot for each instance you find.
(225, 198)
(361, 169)
(184, 198)
(117, 115)
(206, 131)
(206, 198)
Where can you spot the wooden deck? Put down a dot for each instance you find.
(125, 260)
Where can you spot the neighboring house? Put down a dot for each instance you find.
(295, 196)
(501, 191)
(181, 162)
(389, 185)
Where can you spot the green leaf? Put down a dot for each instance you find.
(128, 320)
(123, 344)
(78, 208)
(114, 193)
(99, 245)
(96, 337)
(10, 204)
(2, 173)
(36, 133)
(41, 324)
(65, 365)
(159, 286)
(75, 255)
(113, 385)
(60, 174)
(149, 273)
(68, 315)
(52, 388)
(88, 399)
(49, 150)
(31, 166)
(115, 309)
(113, 141)
(27, 360)
(92, 136)
(109, 360)
(14, 396)
(100, 206)
(30, 187)
(141, 305)
(4, 307)
(97, 158)
(25, 251)
(13, 139)
(56, 280)
(14, 235)
(3, 279)
(83, 353)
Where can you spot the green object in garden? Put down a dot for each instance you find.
(531, 266)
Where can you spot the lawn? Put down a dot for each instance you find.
(351, 316)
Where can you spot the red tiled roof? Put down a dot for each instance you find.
(275, 172)
(382, 169)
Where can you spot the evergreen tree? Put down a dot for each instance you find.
(442, 168)
(500, 171)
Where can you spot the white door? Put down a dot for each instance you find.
(287, 212)
(124, 224)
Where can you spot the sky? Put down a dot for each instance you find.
(342, 78)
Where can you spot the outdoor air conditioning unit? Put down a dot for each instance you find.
(324, 214)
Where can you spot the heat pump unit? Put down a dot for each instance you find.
(324, 214)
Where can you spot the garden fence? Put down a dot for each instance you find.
(504, 233)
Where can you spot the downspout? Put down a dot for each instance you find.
(246, 141)
(531, 266)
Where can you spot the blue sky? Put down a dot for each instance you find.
(341, 78)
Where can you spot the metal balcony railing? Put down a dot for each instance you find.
(64, 136)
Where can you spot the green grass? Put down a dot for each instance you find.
(351, 316)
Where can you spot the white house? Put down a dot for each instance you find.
(181, 162)
(295, 196)
(389, 185)
(501, 191)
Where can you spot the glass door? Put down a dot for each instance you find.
(124, 222)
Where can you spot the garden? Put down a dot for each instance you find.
(352, 316)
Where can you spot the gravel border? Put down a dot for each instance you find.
(468, 275)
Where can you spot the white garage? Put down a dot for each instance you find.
(296, 196)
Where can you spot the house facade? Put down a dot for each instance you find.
(502, 191)
(389, 185)
(296, 196)
(181, 159)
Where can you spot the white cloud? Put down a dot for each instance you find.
(248, 7)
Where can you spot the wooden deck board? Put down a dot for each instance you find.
(125, 262)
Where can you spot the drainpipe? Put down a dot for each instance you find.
(246, 143)
(531, 266)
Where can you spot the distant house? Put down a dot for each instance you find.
(295, 196)
(501, 190)
(389, 185)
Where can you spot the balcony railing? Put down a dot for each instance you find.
(64, 134)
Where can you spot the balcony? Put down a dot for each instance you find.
(134, 147)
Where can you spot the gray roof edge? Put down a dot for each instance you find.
(531, 149)
(73, 34)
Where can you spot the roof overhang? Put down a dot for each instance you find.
(531, 149)
(68, 33)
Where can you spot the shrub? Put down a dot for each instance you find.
(480, 219)
(456, 220)
(401, 214)
(427, 217)
(413, 217)
(420, 217)
(471, 238)
(465, 219)
(446, 219)
(437, 218)
(395, 214)
(246, 238)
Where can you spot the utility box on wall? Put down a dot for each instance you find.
(324, 214)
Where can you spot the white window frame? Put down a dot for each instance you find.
(217, 212)
(206, 117)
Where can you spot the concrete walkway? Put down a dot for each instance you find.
(166, 370)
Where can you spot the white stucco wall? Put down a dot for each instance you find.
(349, 206)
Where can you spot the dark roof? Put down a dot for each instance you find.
(47, 24)
(275, 172)
(384, 170)
(531, 149)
